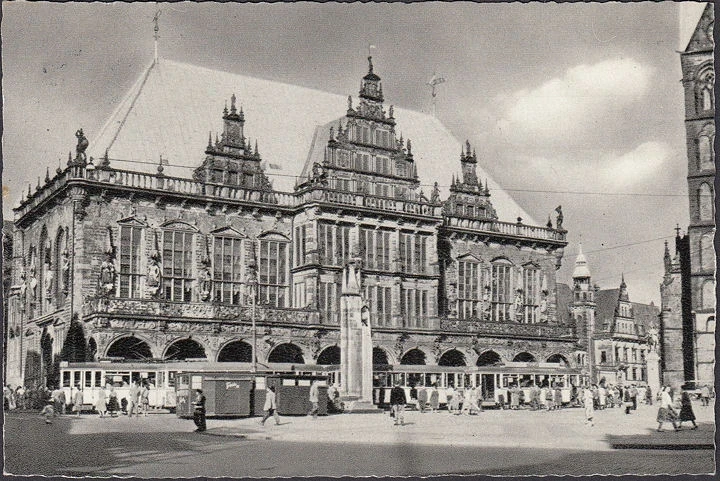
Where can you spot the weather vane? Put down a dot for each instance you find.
(156, 20)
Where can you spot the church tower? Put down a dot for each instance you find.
(698, 83)
(583, 308)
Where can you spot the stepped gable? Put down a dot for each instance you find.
(171, 108)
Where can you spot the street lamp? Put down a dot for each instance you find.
(252, 285)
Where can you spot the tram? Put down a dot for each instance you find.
(494, 381)
(163, 377)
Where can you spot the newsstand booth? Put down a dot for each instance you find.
(226, 394)
(292, 394)
(243, 394)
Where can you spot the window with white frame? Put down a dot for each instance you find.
(501, 290)
(177, 260)
(333, 244)
(380, 304)
(469, 295)
(375, 248)
(272, 272)
(129, 254)
(329, 302)
(531, 283)
(227, 269)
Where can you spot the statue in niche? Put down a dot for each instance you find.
(65, 269)
(435, 196)
(33, 282)
(23, 283)
(107, 274)
(559, 222)
(518, 304)
(152, 282)
(49, 281)
(205, 280)
(544, 307)
(486, 305)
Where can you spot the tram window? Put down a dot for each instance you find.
(88, 378)
(135, 377)
(98, 378)
(151, 377)
(431, 379)
(160, 379)
(66, 379)
(468, 380)
(171, 379)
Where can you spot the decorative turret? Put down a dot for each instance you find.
(581, 270)
(234, 123)
(623, 289)
(371, 87)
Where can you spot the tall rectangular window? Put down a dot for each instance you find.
(300, 244)
(531, 282)
(177, 269)
(227, 270)
(329, 303)
(367, 247)
(501, 292)
(468, 290)
(334, 244)
(130, 274)
(381, 304)
(272, 273)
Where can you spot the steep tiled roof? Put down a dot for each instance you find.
(172, 107)
(564, 299)
(645, 314)
(606, 301)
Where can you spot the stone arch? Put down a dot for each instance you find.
(453, 357)
(381, 356)
(488, 358)
(184, 348)
(329, 356)
(129, 347)
(92, 349)
(414, 357)
(236, 350)
(287, 353)
(524, 357)
(705, 83)
(559, 358)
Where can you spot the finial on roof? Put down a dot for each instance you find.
(549, 222)
(69, 162)
(47, 175)
(242, 114)
(209, 140)
(392, 112)
(349, 102)
(467, 149)
(257, 153)
(225, 110)
(487, 187)
(59, 167)
(370, 65)
(233, 110)
(217, 140)
(29, 191)
(37, 187)
(409, 147)
(332, 133)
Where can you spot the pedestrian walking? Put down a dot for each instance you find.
(113, 406)
(78, 400)
(270, 406)
(627, 400)
(602, 396)
(145, 398)
(588, 399)
(199, 411)
(549, 398)
(634, 397)
(557, 398)
(666, 413)
(450, 397)
(397, 404)
(686, 410)
(134, 399)
(48, 411)
(314, 399)
(534, 397)
(422, 397)
(434, 400)
(648, 396)
(514, 397)
(101, 404)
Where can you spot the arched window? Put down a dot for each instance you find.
(185, 349)
(524, 357)
(705, 202)
(287, 353)
(130, 348)
(489, 358)
(708, 294)
(236, 351)
(707, 252)
(413, 357)
(705, 96)
(706, 148)
(452, 358)
(329, 356)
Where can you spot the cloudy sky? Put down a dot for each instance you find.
(572, 104)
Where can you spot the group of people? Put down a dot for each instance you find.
(675, 408)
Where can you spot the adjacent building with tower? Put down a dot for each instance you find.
(688, 287)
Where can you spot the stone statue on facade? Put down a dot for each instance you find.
(486, 305)
(544, 307)
(205, 281)
(435, 196)
(49, 281)
(653, 339)
(518, 305)
(559, 221)
(152, 282)
(107, 275)
(65, 269)
(33, 282)
(23, 284)
(81, 147)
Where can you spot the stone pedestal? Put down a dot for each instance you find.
(653, 371)
(355, 342)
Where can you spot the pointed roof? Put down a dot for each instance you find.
(581, 266)
(696, 26)
(173, 105)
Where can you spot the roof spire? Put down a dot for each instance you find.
(156, 20)
(256, 153)
(581, 268)
(47, 175)
(209, 140)
(233, 110)
(370, 65)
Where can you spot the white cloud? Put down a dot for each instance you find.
(642, 163)
(585, 100)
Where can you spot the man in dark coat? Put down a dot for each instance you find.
(397, 403)
(199, 411)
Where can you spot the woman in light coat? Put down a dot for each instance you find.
(101, 405)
